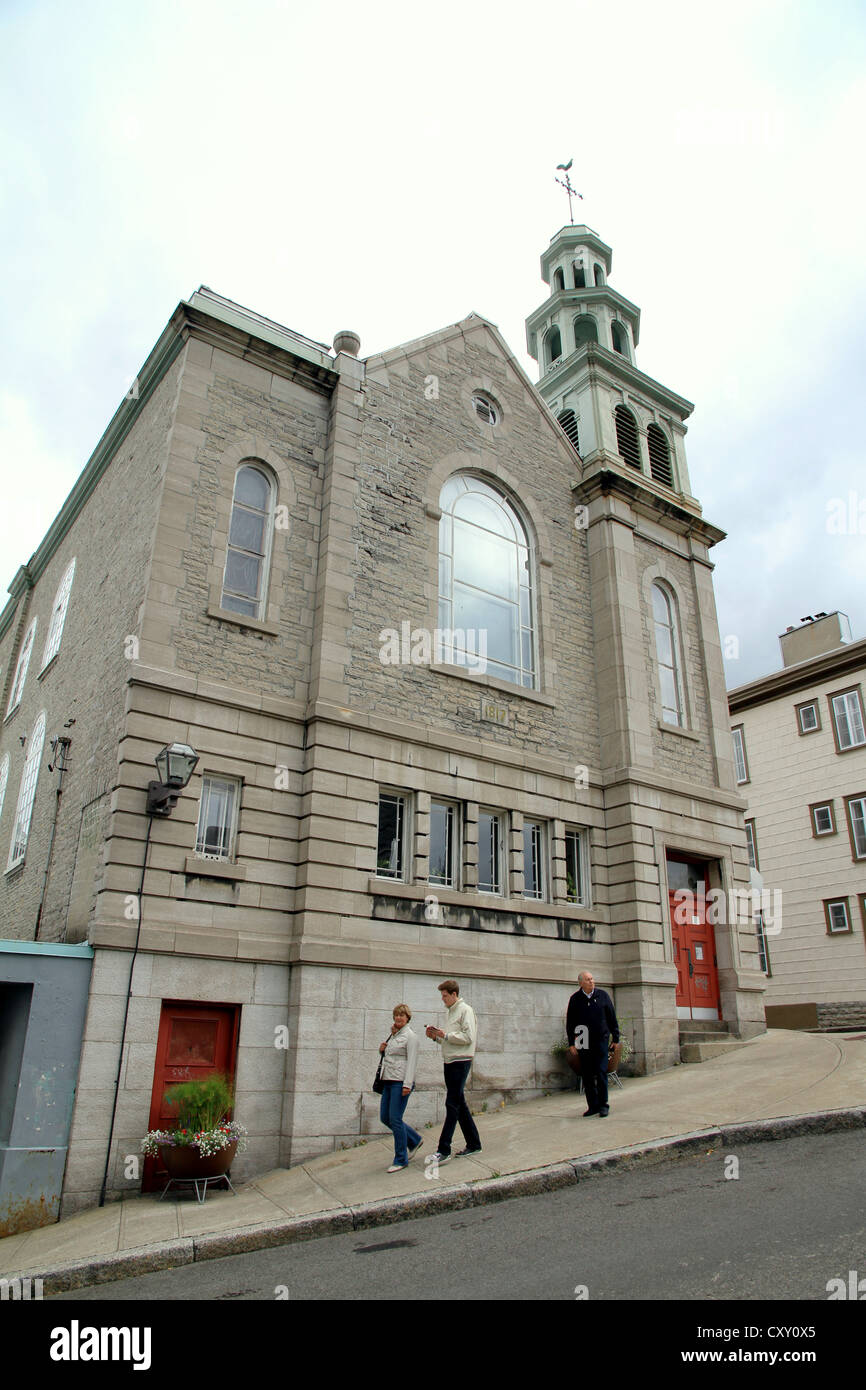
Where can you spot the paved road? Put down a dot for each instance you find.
(790, 1221)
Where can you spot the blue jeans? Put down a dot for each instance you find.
(391, 1108)
(456, 1110)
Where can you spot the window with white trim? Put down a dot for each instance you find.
(807, 718)
(248, 556)
(740, 765)
(534, 867)
(836, 915)
(391, 858)
(21, 668)
(491, 855)
(848, 720)
(486, 608)
(217, 817)
(58, 615)
(444, 844)
(27, 794)
(822, 819)
(763, 948)
(576, 875)
(4, 778)
(857, 825)
(752, 844)
(667, 656)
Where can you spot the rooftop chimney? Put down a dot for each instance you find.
(818, 635)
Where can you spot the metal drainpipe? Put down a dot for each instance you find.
(63, 745)
(125, 1016)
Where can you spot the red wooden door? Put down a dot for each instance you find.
(694, 941)
(193, 1041)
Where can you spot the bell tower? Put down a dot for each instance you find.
(584, 338)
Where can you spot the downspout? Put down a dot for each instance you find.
(62, 744)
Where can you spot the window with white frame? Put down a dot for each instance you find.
(848, 720)
(444, 841)
(21, 668)
(752, 844)
(245, 579)
(217, 817)
(534, 869)
(741, 767)
(823, 822)
(4, 778)
(485, 582)
(576, 875)
(836, 915)
(27, 794)
(763, 948)
(857, 825)
(391, 842)
(667, 656)
(58, 615)
(808, 719)
(491, 858)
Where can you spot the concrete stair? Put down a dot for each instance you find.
(701, 1039)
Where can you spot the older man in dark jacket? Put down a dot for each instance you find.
(590, 1024)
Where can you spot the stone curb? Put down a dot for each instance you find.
(103, 1269)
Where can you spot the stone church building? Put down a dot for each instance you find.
(445, 646)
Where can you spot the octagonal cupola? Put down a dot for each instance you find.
(582, 307)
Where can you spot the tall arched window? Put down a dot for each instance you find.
(552, 345)
(58, 615)
(485, 582)
(667, 655)
(4, 777)
(568, 421)
(558, 280)
(21, 668)
(27, 793)
(585, 330)
(659, 455)
(619, 338)
(626, 436)
(249, 548)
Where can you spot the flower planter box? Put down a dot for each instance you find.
(185, 1161)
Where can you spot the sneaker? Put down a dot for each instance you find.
(605, 1110)
(412, 1152)
(442, 1158)
(467, 1153)
(397, 1167)
(591, 1112)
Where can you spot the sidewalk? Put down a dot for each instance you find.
(532, 1147)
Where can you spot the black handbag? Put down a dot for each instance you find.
(378, 1083)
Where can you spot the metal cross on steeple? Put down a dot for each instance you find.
(566, 184)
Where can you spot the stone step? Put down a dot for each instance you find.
(703, 1025)
(705, 1051)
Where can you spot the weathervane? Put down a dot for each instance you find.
(566, 184)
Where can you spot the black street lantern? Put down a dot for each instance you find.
(175, 765)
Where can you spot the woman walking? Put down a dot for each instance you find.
(400, 1055)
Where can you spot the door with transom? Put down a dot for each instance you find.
(694, 939)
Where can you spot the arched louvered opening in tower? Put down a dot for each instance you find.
(619, 339)
(585, 330)
(558, 280)
(659, 456)
(626, 437)
(568, 421)
(579, 276)
(599, 274)
(552, 345)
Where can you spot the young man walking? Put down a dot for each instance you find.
(457, 1040)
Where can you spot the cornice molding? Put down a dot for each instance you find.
(841, 661)
(609, 482)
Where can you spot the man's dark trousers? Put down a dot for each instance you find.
(593, 1070)
(456, 1109)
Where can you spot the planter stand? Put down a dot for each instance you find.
(200, 1185)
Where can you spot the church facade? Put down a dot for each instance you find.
(445, 646)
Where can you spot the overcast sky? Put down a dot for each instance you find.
(389, 167)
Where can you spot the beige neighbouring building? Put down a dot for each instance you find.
(446, 646)
(800, 759)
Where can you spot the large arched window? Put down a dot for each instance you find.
(27, 793)
(626, 436)
(659, 455)
(249, 548)
(667, 655)
(58, 615)
(585, 330)
(552, 345)
(485, 582)
(21, 668)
